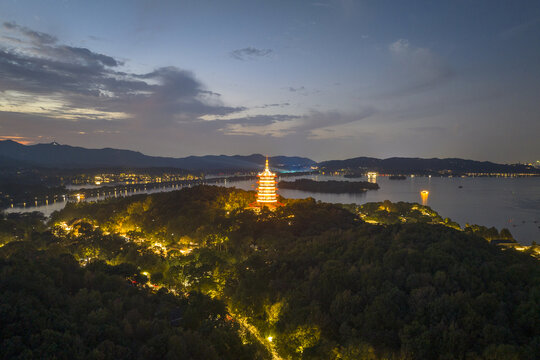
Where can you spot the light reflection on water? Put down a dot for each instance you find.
(512, 203)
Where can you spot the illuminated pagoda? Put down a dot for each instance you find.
(266, 191)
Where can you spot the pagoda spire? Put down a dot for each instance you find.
(266, 189)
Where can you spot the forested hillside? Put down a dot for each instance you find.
(52, 308)
(308, 281)
(400, 165)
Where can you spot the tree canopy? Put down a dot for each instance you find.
(309, 280)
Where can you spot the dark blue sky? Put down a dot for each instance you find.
(324, 79)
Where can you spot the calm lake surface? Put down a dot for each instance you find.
(512, 203)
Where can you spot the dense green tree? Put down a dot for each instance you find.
(320, 280)
(52, 308)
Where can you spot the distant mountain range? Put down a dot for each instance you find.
(399, 165)
(54, 155)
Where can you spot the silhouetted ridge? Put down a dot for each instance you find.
(419, 165)
(66, 156)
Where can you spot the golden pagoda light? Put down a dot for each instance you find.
(266, 189)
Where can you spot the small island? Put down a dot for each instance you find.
(330, 186)
(354, 175)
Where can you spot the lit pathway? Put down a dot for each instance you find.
(255, 332)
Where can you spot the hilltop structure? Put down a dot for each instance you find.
(266, 190)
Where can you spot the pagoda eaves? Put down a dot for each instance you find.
(266, 190)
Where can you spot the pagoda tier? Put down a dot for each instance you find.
(266, 191)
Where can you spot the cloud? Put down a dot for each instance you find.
(400, 46)
(34, 36)
(265, 106)
(296, 89)
(51, 91)
(415, 69)
(250, 53)
(319, 119)
(38, 128)
(73, 82)
(302, 90)
(321, 4)
(20, 139)
(251, 125)
(259, 119)
(517, 30)
(315, 124)
(428, 129)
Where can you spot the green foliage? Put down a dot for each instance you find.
(490, 234)
(52, 308)
(194, 212)
(419, 290)
(388, 213)
(17, 227)
(318, 278)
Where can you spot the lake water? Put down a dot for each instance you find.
(512, 203)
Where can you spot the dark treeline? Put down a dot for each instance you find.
(329, 186)
(254, 176)
(397, 165)
(19, 186)
(313, 277)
